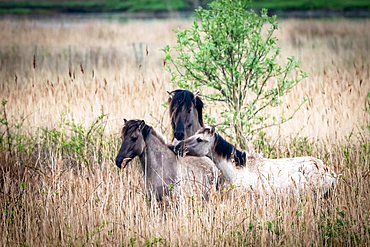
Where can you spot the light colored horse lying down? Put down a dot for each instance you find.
(251, 171)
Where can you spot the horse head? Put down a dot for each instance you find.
(133, 141)
(185, 112)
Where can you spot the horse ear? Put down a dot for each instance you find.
(213, 130)
(195, 97)
(124, 121)
(170, 97)
(141, 125)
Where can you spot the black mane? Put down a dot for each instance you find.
(146, 131)
(132, 125)
(182, 99)
(228, 151)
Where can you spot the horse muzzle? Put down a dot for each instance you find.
(179, 135)
(124, 162)
(179, 149)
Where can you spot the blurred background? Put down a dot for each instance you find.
(164, 8)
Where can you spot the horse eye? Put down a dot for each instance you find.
(189, 111)
(134, 139)
(199, 140)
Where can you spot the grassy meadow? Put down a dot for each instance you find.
(66, 86)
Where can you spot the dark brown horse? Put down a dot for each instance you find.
(186, 113)
(162, 169)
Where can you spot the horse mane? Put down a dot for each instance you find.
(241, 159)
(199, 107)
(149, 130)
(182, 99)
(227, 150)
(132, 125)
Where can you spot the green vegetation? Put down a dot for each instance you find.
(337, 5)
(81, 146)
(230, 54)
(94, 6)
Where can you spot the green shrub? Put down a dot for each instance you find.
(229, 52)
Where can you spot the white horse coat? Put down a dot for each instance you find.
(252, 172)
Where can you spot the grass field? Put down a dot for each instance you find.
(68, 86)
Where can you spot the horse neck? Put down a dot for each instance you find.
(146, 162)
(225, 165)
(221, 160)
(155, 155)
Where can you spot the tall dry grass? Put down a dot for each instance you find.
(46, 199)
(335, 55)
(107, 207)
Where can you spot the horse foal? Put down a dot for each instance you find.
(252, 172)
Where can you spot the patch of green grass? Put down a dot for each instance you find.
(91, 6)
(281, 5)
(15, 11)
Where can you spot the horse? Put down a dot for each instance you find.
(163, 170)
(186, 113)
(253, 172)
